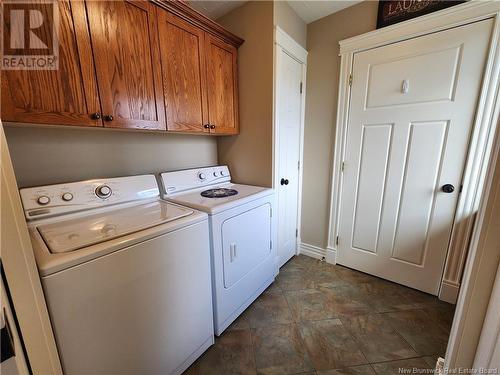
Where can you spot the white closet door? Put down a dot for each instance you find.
(289, 107)
(411, 116)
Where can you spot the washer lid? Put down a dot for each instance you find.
(73, 234)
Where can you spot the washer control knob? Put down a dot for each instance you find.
(43, 200)
(215, 174)
(103, 191)
(222, 173)
(201, 176)
(67, 197)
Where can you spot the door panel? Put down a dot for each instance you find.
(385, 80)
(290, 115)
(246, 242)
(424, 154)
(184, 74)
(375, 147)
(222, 87)
(408, 135)
(66, 96)
(126, 53)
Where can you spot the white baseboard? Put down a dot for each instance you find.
(331, 255)
(449, 291)
(312, 251)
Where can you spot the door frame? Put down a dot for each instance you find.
(22, 276)
(286, 44)
(481, 140)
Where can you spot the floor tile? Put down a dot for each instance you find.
(431, 360)
(310, 304)
(377, 339)
(346, 300)
(299, 262)
(354, 276)
(269, 309)
(322, 276)
(384, 297)
(241, 322)
(273, 289)
(279, 350)
(420, 330)
(293, 279)
(413, 366)
(330, 345)
(357, 370)
(232, 353)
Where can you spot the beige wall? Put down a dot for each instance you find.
(52, 155)
(286, 18)
(249, 155)
(323, 66)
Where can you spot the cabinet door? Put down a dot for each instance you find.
(222, 86)
(67, 96)
(126, 53)
(184, 73)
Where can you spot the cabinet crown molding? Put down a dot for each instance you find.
(184, 11)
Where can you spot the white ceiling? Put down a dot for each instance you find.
(214, 9)
(311, 11)
(308, 10)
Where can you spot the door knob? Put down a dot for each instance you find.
(95, 116)
(284, 181)
(206, 126)
(212, 126)
(448, 188)
(108, 118)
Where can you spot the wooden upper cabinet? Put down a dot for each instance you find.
(222, 86)
(184, 73)
(67, 96)
(124, 38)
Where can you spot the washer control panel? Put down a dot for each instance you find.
(51, 200)
(175, 182)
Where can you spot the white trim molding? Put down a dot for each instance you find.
(482, 136)
(449, 291)
(312, 251)
(329, 255)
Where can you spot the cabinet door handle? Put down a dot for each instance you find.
(212, 126)
(95, 116)
(108, 118)
(206, 126)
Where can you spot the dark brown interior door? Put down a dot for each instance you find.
(222, 86)
(184, 73)
(66, 96)
(124, 38)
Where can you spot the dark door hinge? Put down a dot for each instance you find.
(337, 240)
(301, 87)
(296, 233)
(350, 79)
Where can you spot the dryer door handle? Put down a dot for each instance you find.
(232, 252)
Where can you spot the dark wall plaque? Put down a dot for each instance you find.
(394, 11)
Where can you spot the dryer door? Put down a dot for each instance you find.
(246, 241)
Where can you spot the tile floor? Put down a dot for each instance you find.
(321, 319)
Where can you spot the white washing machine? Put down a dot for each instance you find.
(126, 275)
(242, 231)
